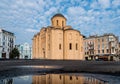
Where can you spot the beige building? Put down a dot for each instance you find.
(119, 51)
(102, 47)
(58, 41)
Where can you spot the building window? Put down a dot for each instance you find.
(98, 51)
(57, 22)
(102, 46)
(70, 77)
(3, 37)
(76, 78)
(98, 40)
(60, 77)
(98, 46)
(76, 46)
(60, 46)
(107, 50)
(87, 53)
(70, 46)
(112, 50)
(103, 51)
(3, 50)
(102, 39)
(3, 43)
(63, 23)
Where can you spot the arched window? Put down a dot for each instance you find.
(60, 46)
(70, 46)
(76, 46)
(70, 77)
(57, 22)
(63, 23)
(60, 77)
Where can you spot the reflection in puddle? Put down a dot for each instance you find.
(54, 79)
(66, 79)
(6, 81)
(49, 67)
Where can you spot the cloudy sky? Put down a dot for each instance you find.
(90, 17)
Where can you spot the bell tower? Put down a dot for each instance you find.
(58, 21)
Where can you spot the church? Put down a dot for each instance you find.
(58, 41)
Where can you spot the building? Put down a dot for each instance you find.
(25, 51)
(101, 47)
(58, 41)
(7, 43)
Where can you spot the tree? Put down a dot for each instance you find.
(14, 53)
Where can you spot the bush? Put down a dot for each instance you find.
(14, 54)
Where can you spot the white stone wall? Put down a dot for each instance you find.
(25, 51)
(7, 43)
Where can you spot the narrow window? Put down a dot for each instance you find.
(107, 50)
(60, 46)
(60, 77)
(57, 22)
(103, 51)
(76, 78)
(76, 46)
(112, 50)
(98, 46)
(48, 46)
(102, 39)
(63, 23)
(70, 77)
(102, 46)
(87, 53)
(98, 51)
(98, 40)
(70, 46)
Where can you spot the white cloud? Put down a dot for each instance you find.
(32, 30)
(116, 3)
(75, 11)
(104, 3)
(94, 5)
(100, 4)
(51, 11)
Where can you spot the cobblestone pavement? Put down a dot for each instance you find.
(112, 67)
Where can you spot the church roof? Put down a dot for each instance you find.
(59, 15)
